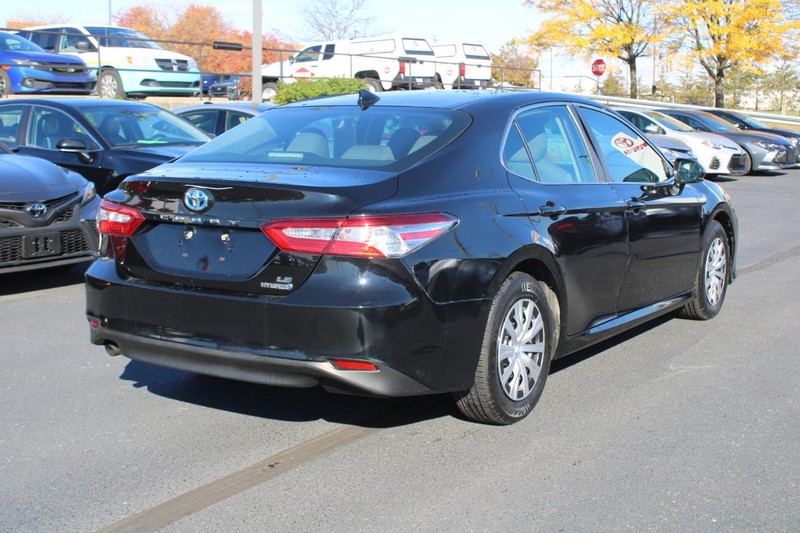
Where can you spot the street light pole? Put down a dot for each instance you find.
(109, 12)
(256, 76)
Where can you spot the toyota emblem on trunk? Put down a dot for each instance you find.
(197, 200)
(37, 210)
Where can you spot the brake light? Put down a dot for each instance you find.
(462, 69)
(118, 220)
(380, 237)
(403, 68)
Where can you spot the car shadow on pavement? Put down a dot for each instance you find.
(279, 403)
(587, 353)
(46, 278)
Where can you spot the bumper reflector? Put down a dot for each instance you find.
(348, 364)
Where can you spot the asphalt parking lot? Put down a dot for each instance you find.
(676, 426)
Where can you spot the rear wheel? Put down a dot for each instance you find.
(109, 84)
(711, 282)
(5, 84)
(374, 85)
(518, 345)
(269, 91)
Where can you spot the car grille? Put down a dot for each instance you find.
(781, 157)
(6, 223)
(173, 65)
(64, 69)
(20, 206)
(714, 163)
(73, 242)
(737, 162)
(67, 214)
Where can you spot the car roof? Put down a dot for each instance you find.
(78, 103)
(458, 99)
(236, 106)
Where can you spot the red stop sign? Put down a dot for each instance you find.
(598, 67)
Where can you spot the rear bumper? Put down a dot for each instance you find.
(418, 347)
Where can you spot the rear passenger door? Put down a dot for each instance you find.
(551, 165)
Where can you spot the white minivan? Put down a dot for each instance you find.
(463, 65)
(385, 63)
(128, 63)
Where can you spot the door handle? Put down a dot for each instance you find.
(551, 209)
(635, 205)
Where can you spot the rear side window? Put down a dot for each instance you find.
(10, 119)
(418, 47)
(341, 136)
(545, 145)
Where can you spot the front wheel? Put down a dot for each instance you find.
(711, 282)
(5, 84)
(109, 84)
(518, 344)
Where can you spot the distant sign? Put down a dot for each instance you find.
(598, 67)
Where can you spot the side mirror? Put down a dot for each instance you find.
(82, 46)
(654, 129)
(71, 145)
(688, 171)
(76, 146)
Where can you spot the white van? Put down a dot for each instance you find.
(385, 63)
(127, 62)
(463, 65)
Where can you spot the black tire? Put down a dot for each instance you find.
(495, 400)
(5, 84)
(373, 85)
(109, 84)
(713, 275)
(748, 163)
(268, 91)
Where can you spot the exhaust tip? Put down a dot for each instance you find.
(112, 349)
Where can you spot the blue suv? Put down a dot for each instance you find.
(26, 68)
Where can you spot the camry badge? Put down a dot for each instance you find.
(197, 200)
(37, 210)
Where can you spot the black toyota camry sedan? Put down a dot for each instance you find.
(408, 243)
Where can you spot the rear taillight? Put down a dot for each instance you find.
(403, 67)
(383, 236)
(118, 220)
(462, 69)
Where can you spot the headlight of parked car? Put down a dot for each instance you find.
(25, 62)
(89, 193)
(715, 146)
(769, 147)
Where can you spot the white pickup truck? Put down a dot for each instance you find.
(462, 65)
(385, 63)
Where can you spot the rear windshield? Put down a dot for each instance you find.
(386, 138)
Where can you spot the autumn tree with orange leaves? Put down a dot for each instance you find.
(192, 30)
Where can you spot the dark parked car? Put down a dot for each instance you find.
(408, 243)
(47, 214)
(765, 151)
(744, 122)
(216, 119)
(25, 69)
(104, 140)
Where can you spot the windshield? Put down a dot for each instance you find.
(716, 123)
(138, 126)
(121, 37)
(387, 138)
(668, 122)
(11, 42)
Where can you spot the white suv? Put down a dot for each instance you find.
(383, 62)
(128, 63)
(463, 65)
